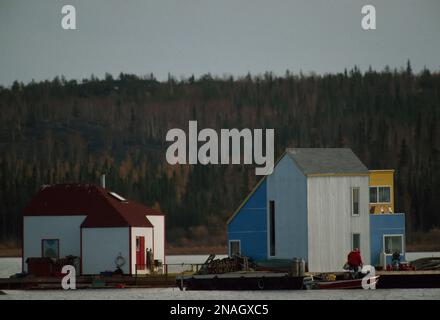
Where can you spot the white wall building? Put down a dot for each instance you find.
(100, 227)
(313, 206)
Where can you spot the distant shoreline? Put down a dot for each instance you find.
(196, 250)
(16, 252)
(219, 250)
(10, 252)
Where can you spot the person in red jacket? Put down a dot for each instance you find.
(354, 260)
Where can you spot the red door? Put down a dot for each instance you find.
(140, 253)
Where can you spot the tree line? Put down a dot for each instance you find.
(74, 131)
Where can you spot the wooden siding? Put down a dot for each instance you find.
(330, 221)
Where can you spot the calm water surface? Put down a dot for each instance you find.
(9, 266)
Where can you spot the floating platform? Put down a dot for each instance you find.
(240, 281)
(283, 281)
(88, 282)
(408, 279)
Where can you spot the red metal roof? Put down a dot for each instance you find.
(101, 208)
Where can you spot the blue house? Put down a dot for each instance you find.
(316, 206)
(387, 236)
(387, 227)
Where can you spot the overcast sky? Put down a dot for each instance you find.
(185, 37)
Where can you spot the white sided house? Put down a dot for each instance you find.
(100, 227)
(313, 206)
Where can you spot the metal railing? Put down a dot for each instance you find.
(168, 268)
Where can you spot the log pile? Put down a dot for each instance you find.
(432, 263)
(229, 264)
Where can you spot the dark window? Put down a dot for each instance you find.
(393, 243)
(373, 195)
(355, 201)
(50, 248)
(356, 241)
(234, 247)
(380, 194)
(384, 195)
(272, 227)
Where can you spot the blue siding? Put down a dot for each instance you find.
(287, 186)
(250, 225)
(381, 224)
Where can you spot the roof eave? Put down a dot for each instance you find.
(339, 174)
(253, 190)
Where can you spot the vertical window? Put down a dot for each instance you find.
(50, 248)
(272, 228)
(234, 248)
(355, 201)
(373, 194)
(356, 241)
(393, 243)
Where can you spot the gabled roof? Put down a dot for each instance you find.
(327, 161)
(101, 208)
(317, 161)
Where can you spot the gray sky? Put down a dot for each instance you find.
(185, 37)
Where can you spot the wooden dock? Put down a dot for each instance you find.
(88, 282)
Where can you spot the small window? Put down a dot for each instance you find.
(355, 201)
(272, 228)
(384, 195)
(356, 241)
(50, 248)
(393, 243)
(380, 194)
(234, 247)
(373, 194)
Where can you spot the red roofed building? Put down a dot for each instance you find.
(101, 227)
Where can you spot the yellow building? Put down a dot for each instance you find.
(381, 191)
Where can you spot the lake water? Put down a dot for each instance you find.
(9, 266)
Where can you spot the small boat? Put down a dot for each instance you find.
(345, 284)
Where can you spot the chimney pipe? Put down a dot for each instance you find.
(103, 181)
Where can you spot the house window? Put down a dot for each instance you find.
(355, 201)
(393, 243)
(356, 241)
(50, 248)
(272, 228)
(138, 244)
(380, 194)
(384, 195)
(234, 247)
(373, 194)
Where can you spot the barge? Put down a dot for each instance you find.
(241, 281)
(285, 281)
(409, 279)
